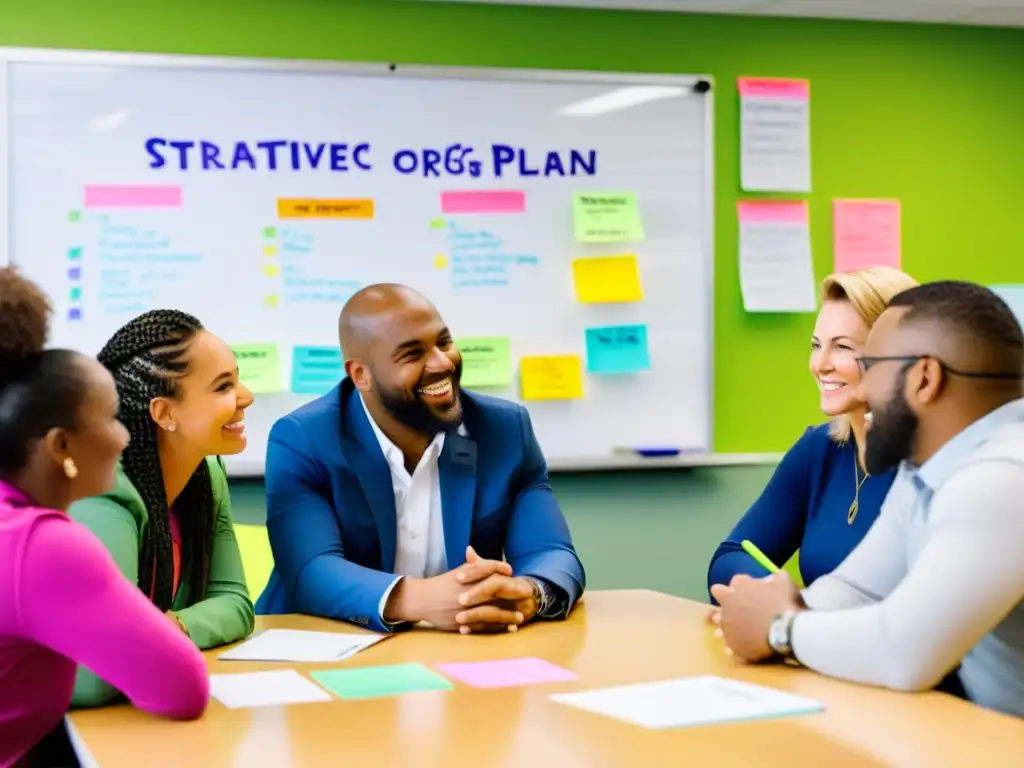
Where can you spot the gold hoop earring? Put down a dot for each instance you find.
(70, 469)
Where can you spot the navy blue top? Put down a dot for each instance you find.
(805, 506)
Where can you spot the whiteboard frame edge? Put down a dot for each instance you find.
(5, 180)
(16, 55)
(711, 205)
(22, 55)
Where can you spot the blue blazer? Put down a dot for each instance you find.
(331, 514)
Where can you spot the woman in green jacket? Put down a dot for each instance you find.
(168, 522)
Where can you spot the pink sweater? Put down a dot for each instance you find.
(63, 602)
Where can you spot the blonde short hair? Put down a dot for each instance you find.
(869, 292)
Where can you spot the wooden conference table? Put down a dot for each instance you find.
(613, 638)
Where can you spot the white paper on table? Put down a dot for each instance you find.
(775, 134)
(687, 701)
(265, 689)
(776, 270)
(297, 645)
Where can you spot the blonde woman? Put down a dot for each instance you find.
(820, 500)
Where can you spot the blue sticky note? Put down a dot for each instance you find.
(75, 313)
(74, 253)
(75, 273)
(617, 349)
(1014, 296)
(316, 370)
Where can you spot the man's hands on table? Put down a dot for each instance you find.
(479, 596)
(746, 609)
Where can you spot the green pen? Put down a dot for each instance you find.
(759, 556)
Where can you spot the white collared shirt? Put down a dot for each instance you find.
(419, 546)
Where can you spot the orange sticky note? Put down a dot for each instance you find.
(551, 377)
(607, 279)
(323, 208)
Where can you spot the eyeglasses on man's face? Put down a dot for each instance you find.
(866, 362)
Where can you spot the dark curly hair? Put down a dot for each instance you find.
(147, 357)
(39, 389)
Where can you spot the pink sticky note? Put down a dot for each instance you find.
(132, 196)
(774, 88)
(865, 233)
(497, 201)
(775, 211)
(506, 672)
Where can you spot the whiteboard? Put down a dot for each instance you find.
(77, 126)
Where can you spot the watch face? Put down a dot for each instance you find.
(777, 635)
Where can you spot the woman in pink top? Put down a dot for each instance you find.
(63, 601)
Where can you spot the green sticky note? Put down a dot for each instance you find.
(486, 361)
(378, 682)
(259, 367)
(75, 216)
(438, 224)
(270, 232)
(606, 217)
(75, 294)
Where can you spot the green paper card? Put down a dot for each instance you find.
(259, 367)
(486, 361)
(378, 682)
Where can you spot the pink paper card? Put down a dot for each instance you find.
(506, 672)
(865, 233)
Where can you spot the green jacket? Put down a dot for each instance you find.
(119, 520)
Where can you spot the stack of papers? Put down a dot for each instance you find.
(300, 646)
(689, 701)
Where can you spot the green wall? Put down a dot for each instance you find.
(928, 114)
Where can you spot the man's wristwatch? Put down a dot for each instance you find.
(780, 634)
(541, 597)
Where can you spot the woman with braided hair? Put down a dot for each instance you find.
(168, 522)
(63, 602)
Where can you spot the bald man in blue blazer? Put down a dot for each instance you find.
(400, 498)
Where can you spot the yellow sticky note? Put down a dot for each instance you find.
(259, 367)
(270, 250)
(271, 270)
(271, 301)
(607, 279)
(440, 261)
(552, 377)
(606, 217)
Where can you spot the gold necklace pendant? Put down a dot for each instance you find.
(851, 514)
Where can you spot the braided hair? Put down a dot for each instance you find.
(147, 358)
